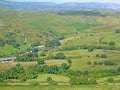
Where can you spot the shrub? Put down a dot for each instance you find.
(95, 63)
(40, 61)
(88, 63)
(108, 63)
(90, 49)
(49, 79)
(100, 63)
(60, 55)
(97, 55)
(111, 43)
(103, 56)
(117, 31)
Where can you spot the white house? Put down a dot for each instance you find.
(40, 47)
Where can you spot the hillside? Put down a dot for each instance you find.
(5, 4)
(16, 26)
(81, 46)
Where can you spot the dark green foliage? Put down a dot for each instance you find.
(60, 55)
(88, 63)
(49, 78)
(9, 34)
(95, 63)
(53, 69)
(118, 69)
(82, 81)
(90, 49)
(111, 43)
(13, 42)
(64, 66)
(36, 44)
(2, 43)
(14, 72)
(40, 61)
(35, 50)
(24, 58)
(52, 43)
(90, 13)
(117, 31)
(103, 56)
(100, 63)
(97, 55)
(109, 63)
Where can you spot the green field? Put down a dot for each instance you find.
(43, 78)
(63, 87)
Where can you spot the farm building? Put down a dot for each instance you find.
(40, 47)
(4, 60)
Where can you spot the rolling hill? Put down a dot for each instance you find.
(53, 6)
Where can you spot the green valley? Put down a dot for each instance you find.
(60, 47)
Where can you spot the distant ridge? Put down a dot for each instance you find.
(53, 6)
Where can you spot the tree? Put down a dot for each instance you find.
(100, 63)
(60, 55)
(64, 66)
(117, 31)
(2, 43)
(90, 49)
(49, 78)
(95, 63)
(111, 43)
(103, 56)
(88, 63)
(40, 61)
(51, 81)
(97, 55)
(36, 44)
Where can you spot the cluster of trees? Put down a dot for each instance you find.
(91, 48)
(31, 56)
(76, 77)
(52, 43)
(18, 72)
(82, 81)
(36, 44)
(85, 13)
(59, 55)
(28, 55)
(101, 55)
(101, 63)
(11, 42)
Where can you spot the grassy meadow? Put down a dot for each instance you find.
(63, 87)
